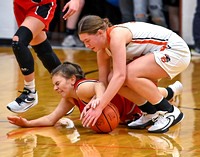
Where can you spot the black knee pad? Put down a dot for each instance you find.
(21, 50)
(46, 55)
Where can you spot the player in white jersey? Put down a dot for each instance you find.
(140, 54)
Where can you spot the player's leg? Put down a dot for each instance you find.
(171, 93)
(140, 10)
(72, 38)
(30, 28)
(141, 81)
(44, 51)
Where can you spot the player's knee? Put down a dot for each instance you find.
(15, 38)
(15, 42)
(21, 39)
(16, 46)
(153, 7)
(23, 35)
(20, 43)
(46, 55)
(140, 15)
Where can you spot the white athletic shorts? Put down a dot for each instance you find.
(175, 59)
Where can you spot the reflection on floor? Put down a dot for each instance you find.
(180, 140)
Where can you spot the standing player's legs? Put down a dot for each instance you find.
(33, 19)
(71, 38)
(29, 29)
(30, 32)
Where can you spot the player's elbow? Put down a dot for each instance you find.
(121, 78)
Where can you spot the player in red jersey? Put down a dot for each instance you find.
(69, 81)
(33, 18)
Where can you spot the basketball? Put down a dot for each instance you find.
(108, 120)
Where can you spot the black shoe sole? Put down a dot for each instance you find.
(178, 119)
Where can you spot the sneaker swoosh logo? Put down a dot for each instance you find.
(28, 100)
(171, 120)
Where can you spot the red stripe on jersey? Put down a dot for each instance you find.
(164, 43)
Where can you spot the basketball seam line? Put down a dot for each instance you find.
(114, 111)
(98, 128)
(107, 122)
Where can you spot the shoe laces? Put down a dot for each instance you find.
(144, 114)
(144, 117)
(24, 96)
(160, 119)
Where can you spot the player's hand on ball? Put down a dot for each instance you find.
(95, 102)
(91, 117)
(86, 108)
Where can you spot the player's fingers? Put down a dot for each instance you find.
(94, 121)
(10, 121)
(84, 112)
(9, 118)
(82, 115)
(93, 105)
(67, 10)
(69, 13)
(83, 120)
(88, 106)
(65, 7)
(86, 120)
(89, 122)
(96, 102)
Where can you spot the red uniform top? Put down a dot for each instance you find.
(128, 110)
(40, 9)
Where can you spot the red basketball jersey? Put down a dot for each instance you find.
(128, 110)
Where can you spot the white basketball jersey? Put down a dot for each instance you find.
(149, 38)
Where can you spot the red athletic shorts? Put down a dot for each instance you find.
(40, 9)
(128, 110)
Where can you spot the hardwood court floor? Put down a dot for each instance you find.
(181, 140)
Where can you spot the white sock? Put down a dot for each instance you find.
(30, 85)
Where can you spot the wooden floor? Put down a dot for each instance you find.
(58, 141)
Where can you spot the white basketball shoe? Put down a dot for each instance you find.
(144, 121)
(24, 102)
(165, 120)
